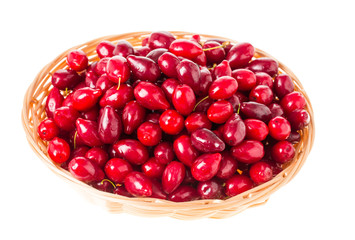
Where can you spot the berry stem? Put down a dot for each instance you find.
(224, 44)
(211, 68)
(76, 133)
(119, 83)
(203, 99)
(107, 180)
(238, 109)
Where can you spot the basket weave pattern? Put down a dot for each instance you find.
(33, 113)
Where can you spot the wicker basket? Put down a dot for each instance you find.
(33, 113)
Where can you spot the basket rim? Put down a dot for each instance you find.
(252, 194)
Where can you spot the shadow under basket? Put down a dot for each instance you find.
(33, 113)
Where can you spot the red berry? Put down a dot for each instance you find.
(85, 170)
(123, 48)
(97, 155)
(149, 134)
(173, 176)
(184, 150)
(298, 119)
(184, 99)
(183, 193)
(260, 172)
(150, 96)
(256, 129)
(160, 39)
(117, 69)
(138, 184)
(264, 64)
(206, 141)
(196, 121)
(58, 150)
(206, 166)
(240, 54)
(185, 48)
(164, 153)
(228, 166)
(279, 128)
(283, 85)
(131, 150)
(237, 184)
(283, 152)
(133, 115)
(223, 88)
(210, 189)
(246, 79)
(77, 60)
(261, 94)
(117, 169)
(249, 151)
(220, 111)
(152, 168)
(171, 122)
(293, 101)
(47, 130)
(85, 98)
(105, 49)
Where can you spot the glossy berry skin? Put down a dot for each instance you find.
(206, 141)
(206, 166)
(210, 189)
(153, 118)
(184, 99)
(294, 137)
(65, 79)
(264, 79)
(238, 184)
(121, 190)
(220, 111)
(171, 122)
(197, 120)
(97, 155)
(88, 131)
(184, 150)
(261, 94)
(85, 170)
(164, 153)
(246, 79)
(283, 85)
(223, 88)
(222, 69)
(264, 64)
(105, 49)
(152, 168)
(279, 128)
(156, 53)
(228, 166)
(189, 73)
(298, 119)
(184, 193)
(256, 129)
(240, 55)
(77, 60)
(235, 101)
(185, 48)
(204, 83)
(104, 186)
(133, 115)
(234, 130)
(167, 64)
(117, 169)
(160, 39)
(91, 114)
(249, 151)
(117, 69)
(109, 125)
(214, 55)
(203, 104)
(158, 191)
(283, 152)
(276, 110)
(143, 51)
(117, 98)
(143, 68)
(123, 49)
(201, 60)
(132, 151)
(85, 98)
(255, 110)
(138, 184)
(150, 96)
(260, 172)
(103, 83)
(149, 134)
(47, 129)
(54, 101)
(58, 150)
(293, 101)
(173, 176)
(65, 118)
(100, 67)
(169, 86)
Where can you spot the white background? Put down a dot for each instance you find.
(313, 38)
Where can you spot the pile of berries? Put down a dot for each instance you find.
(175, 119)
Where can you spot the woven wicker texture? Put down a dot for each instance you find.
(33, 113)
